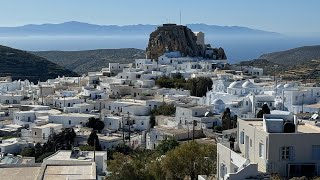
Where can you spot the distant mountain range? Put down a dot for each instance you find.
(80, 28)
(23, 65)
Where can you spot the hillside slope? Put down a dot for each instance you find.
(294, 56)
(23, 65)
(300, 63)
(91, 60)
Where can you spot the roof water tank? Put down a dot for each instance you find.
(289, 127)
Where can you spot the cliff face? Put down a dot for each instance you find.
(175, 38)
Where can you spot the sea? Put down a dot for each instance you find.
(237, 48)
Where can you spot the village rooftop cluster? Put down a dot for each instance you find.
(123, 96)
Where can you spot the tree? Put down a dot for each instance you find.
(167, 144)
(185, 160)
(199, 86)
(86, 148)
(121, 168)
(124, 149)
(177, 81)
(264, 110)
(28, 152)
(226, 119)
(190, 159)
(38, 150)
(93, 140)
(133, 166)
(99, 126)
(95, 124)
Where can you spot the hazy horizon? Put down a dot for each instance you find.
(271, 15)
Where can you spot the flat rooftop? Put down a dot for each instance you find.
(48, 126)
(75, 115)
(308, 128)
(64, 155)
(19, 173)
(57, 172)
(110, 138)
(301, 128)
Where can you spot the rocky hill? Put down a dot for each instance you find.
(91, 60)
(176, 38)
(23, 65)
(294, 56)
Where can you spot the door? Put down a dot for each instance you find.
(246, 144)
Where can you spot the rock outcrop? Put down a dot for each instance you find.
(174, 38)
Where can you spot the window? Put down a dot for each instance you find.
(242, 137)
(142, 123)
(316, 152)
(247, 103)
(69, 121)
(287, 153)
(29, 119)
(43, 136)
(250, 142)
(35, 133)
(261, 150)
(195, 113)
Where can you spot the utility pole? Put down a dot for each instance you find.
(129, 121)
(123, 131)
(193, 123)
(100, 111)
(94, 150)
(302, 101)
(188, 132)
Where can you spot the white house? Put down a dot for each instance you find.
(70, 119)
(40, 133)
(278, 143)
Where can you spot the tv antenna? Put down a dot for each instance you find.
(180, 17)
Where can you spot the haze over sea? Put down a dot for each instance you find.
(238, 48)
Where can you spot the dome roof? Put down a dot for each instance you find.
(288, 85)
(236, 84)
(217, 102)
(248, 84)
(279, 86)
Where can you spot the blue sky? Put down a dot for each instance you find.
(284, 16)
